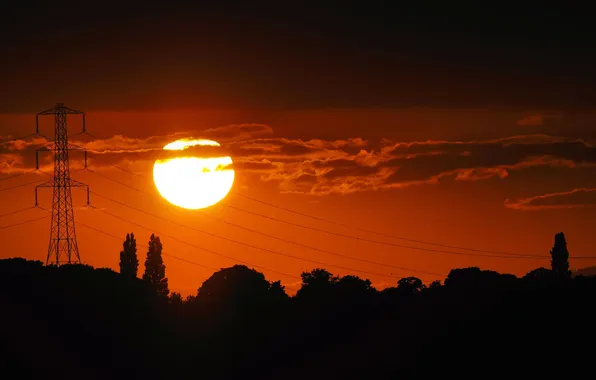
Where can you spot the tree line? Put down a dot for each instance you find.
(314, 281)
(71, 321)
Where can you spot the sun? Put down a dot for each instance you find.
(193, 182)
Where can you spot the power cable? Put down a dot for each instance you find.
(510, 256)
(144, 246)
(17, 175)
(194, 245)
(23, 222)
(22, 185)
(16, 211)
(374, 232)
(163, 253)
(492, 254)
(257, 247)
(272, 237)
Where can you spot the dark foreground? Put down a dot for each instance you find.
(80, 322)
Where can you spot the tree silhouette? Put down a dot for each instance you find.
(316, 283)
(560, 257)
(155, 269)
(410, 285)
(236, 285)
(278, 291)
(540, 277)
(354, 286)
(129, 263)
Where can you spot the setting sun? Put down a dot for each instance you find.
(193, 182)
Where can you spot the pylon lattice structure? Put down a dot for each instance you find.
(63, 248)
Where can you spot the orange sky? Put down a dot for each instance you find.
(465, 177)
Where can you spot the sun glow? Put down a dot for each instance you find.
(193, 182)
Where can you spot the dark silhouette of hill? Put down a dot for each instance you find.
(76, 321)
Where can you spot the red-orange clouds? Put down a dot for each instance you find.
(566, 199)
(536, 119)
(319, 167)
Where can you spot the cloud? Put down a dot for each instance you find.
(406, 164)
(22, 143)
(238, 132)
(580, 197)
(123, 144)
(535, 119)
(256, 166)
(10, 163)
(531, 120)
(343, 166)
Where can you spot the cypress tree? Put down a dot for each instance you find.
(129, 263)
(560, 257)
(155, 269)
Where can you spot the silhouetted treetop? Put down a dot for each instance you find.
(129, 263)
(539, 276)
(155, 269)
(560, 257)
(474, 279)
(354, 285)
(410, 285)
(239, 285)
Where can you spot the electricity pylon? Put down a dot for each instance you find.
(63, 246)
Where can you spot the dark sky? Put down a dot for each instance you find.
(125, 56)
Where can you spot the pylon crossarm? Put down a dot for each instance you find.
(75, 183)
(48, 147)
(62, 109)
(71, 111)
(50, 111)
(74, 147)
(49, 183)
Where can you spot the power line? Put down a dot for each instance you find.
(30, 183)
(480, 252)
(194, 245)
(257, 247)
(163, 253)
(373, 232)
(509, 256)
(268, 235)
(115, 180)
(348, 226)
(117, 167)
(144, 246)
(23, 222)
(16, 211)
(18, 175)
(21, 185)
(273, 237)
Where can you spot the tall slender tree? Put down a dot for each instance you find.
(560, 257)
(129, 263)
(155, 269)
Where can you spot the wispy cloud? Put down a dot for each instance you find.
(536, 119)
(343, 166)
(531, 120)
(238, 132)
(579, 197)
